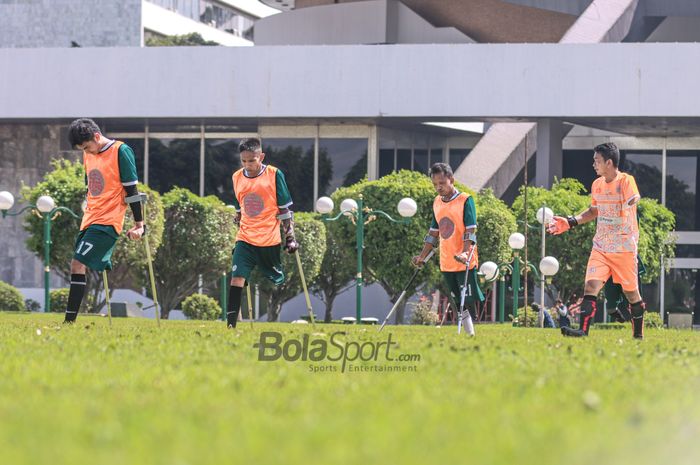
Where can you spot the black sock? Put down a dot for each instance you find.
(588, 309)
(638, 319)
(234, 305)
(75, 296)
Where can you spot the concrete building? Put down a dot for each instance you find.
(368, 87)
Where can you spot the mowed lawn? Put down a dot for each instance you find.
(194, 392)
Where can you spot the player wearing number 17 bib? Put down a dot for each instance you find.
(110, 171)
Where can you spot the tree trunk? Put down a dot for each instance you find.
(274, 307)
(400, 310)
(329, 310)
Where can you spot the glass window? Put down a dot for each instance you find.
(111, 126)
(687, 250)
(578, 164)
(457, 156)
(681, 292)
(435, 156)
(681, 187)
(341, 162)
(386, 161)
(295, 157)
(221, 161)
(421, 161)
(173, 162)
(645, 166)
(403, 159)
(211, 13)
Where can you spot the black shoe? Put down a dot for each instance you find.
(570, 332)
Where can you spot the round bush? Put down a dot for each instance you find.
(422, 313)
(653, 320)
(201, 307)
(59, 299)
(32, 305)
(10, 298)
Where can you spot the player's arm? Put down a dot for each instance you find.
(430, 241)
(631, 192)
(562, 224)
(589, 214)
(285, 214)
(469, 238)
(236, 206)
(129, 180)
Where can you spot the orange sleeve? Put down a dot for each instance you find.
(629, 189)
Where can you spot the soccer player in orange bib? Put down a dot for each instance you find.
(262, 202)
(614, 198)
(454, 227)
(110, 172)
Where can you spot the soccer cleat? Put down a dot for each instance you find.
(571, 332)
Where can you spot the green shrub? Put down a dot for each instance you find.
(32, 305)
(59, 299)
(10, 298)
(653, 320)
(532, 321)
(201, 307)
(422, 313)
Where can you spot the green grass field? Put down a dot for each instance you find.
(193, 392)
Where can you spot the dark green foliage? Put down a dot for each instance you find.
(11, 299)
(201, 307)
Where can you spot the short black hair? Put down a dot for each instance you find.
(441, 168)
(608, 151)
(252, 144)
(82, 130)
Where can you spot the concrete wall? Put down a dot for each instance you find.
(25, 154)
(401, 81)
(55, 23)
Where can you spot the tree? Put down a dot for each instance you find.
(197, 241)
(572, 249)
(310, 232)
(656, 224)
(339, 262)
(566, 197)
(496, 223)
(389, 247)
(183, 40)
(130, 261)
(66, 184)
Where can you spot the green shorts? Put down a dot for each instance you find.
(455, 281)
(268, 259)
(94, 247)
